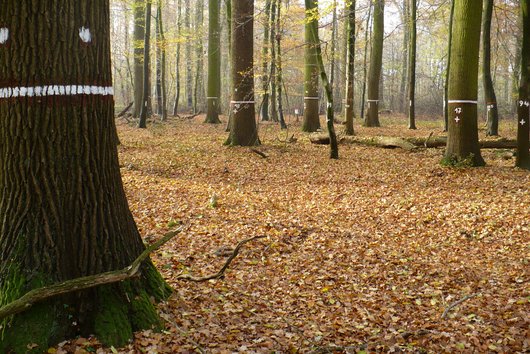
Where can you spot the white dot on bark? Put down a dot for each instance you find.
(4, 35)
(85, 35)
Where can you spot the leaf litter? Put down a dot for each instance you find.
(361, 255)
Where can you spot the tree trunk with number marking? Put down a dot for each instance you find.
(311, 122)
(462, 137)
(243, 130)
(523, 106)
(376, 63)
(62, 202)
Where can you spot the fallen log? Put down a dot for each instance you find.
(409, 143)
(122, 113)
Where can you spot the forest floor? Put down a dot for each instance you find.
(362, 255)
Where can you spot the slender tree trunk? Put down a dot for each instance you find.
(177, 60)
(313, 32)
(189, 68)
(350, 69)
(243, 130)
(273, 105)
(311, 121)
(279, 78)
(214, 62)
(489, 91)
(462, 137)
(142, 123)
(138, 42)
(447, 71)
(64, 210)
(376, 63)
(367, 35)
(405, 64)
(163, 67)
(198, 94)
(265, 62)
(158, 85)
(332, 54)
(523, 105)
(412, 66)
(228, 4)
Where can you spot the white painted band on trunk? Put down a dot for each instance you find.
(373, 100)
(311, 98)
(212, 98)
(462, 101)
(242, 102)
(55, 90)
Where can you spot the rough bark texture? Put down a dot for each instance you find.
(462, 141)
(177, 60)
(350, 69)
(265, 62)
(243, 130)
(139, 28)
(279, 77)
(144, 110)
(489, 92)
(447, 70)
(61, 198)
(376, 63)
(523, 106)
(365, 57)
(311, 122)
(214, 62)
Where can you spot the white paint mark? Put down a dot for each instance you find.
(458, 110)
(457, 119)
(311, 98)
(329, 105)
(462, 101)
(85, 35)
(4, 35)
(524, 103)
(296, 111)
(522, 122)
(55, 90)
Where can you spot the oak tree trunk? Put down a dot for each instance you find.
(311, 122)
(523, 105)
(62, 201)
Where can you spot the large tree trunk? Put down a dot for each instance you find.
(412, 66)
(214, 62)
(462, 135)
(243, 130)
(350, 69)
(311, 122)
(376, 63)
(448, 68)
(62, 202)
(138, 43)
(523, 106)
(489, 91)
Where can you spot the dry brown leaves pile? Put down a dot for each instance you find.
(363, 254)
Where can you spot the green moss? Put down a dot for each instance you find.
(156, 285)
(111, 322)
(457, 162)
(144, 314)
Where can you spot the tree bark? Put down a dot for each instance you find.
(198, 93)
(243, 130)
(64, 209)
(274, 94)
(448, 68)
(490, 98)
(189, 67)
(177, 60)
(142, 123)
(138, 43)
(265, 62)
(214, 62)
(365, 57)
(311, 122)
(462, 135)
(412, 65)
(279, 77)
(350, 69)
(523, 106)
(376, 63)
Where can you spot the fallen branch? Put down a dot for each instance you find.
(256, 151)
(122, 113)
(191, 116)
(221, 272)
(409, 143)
(456, 303)
(36, 295)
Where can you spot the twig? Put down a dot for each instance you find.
(36, 295)
(456, 303)
(258, 152)
(427, 140)
(221, 272)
